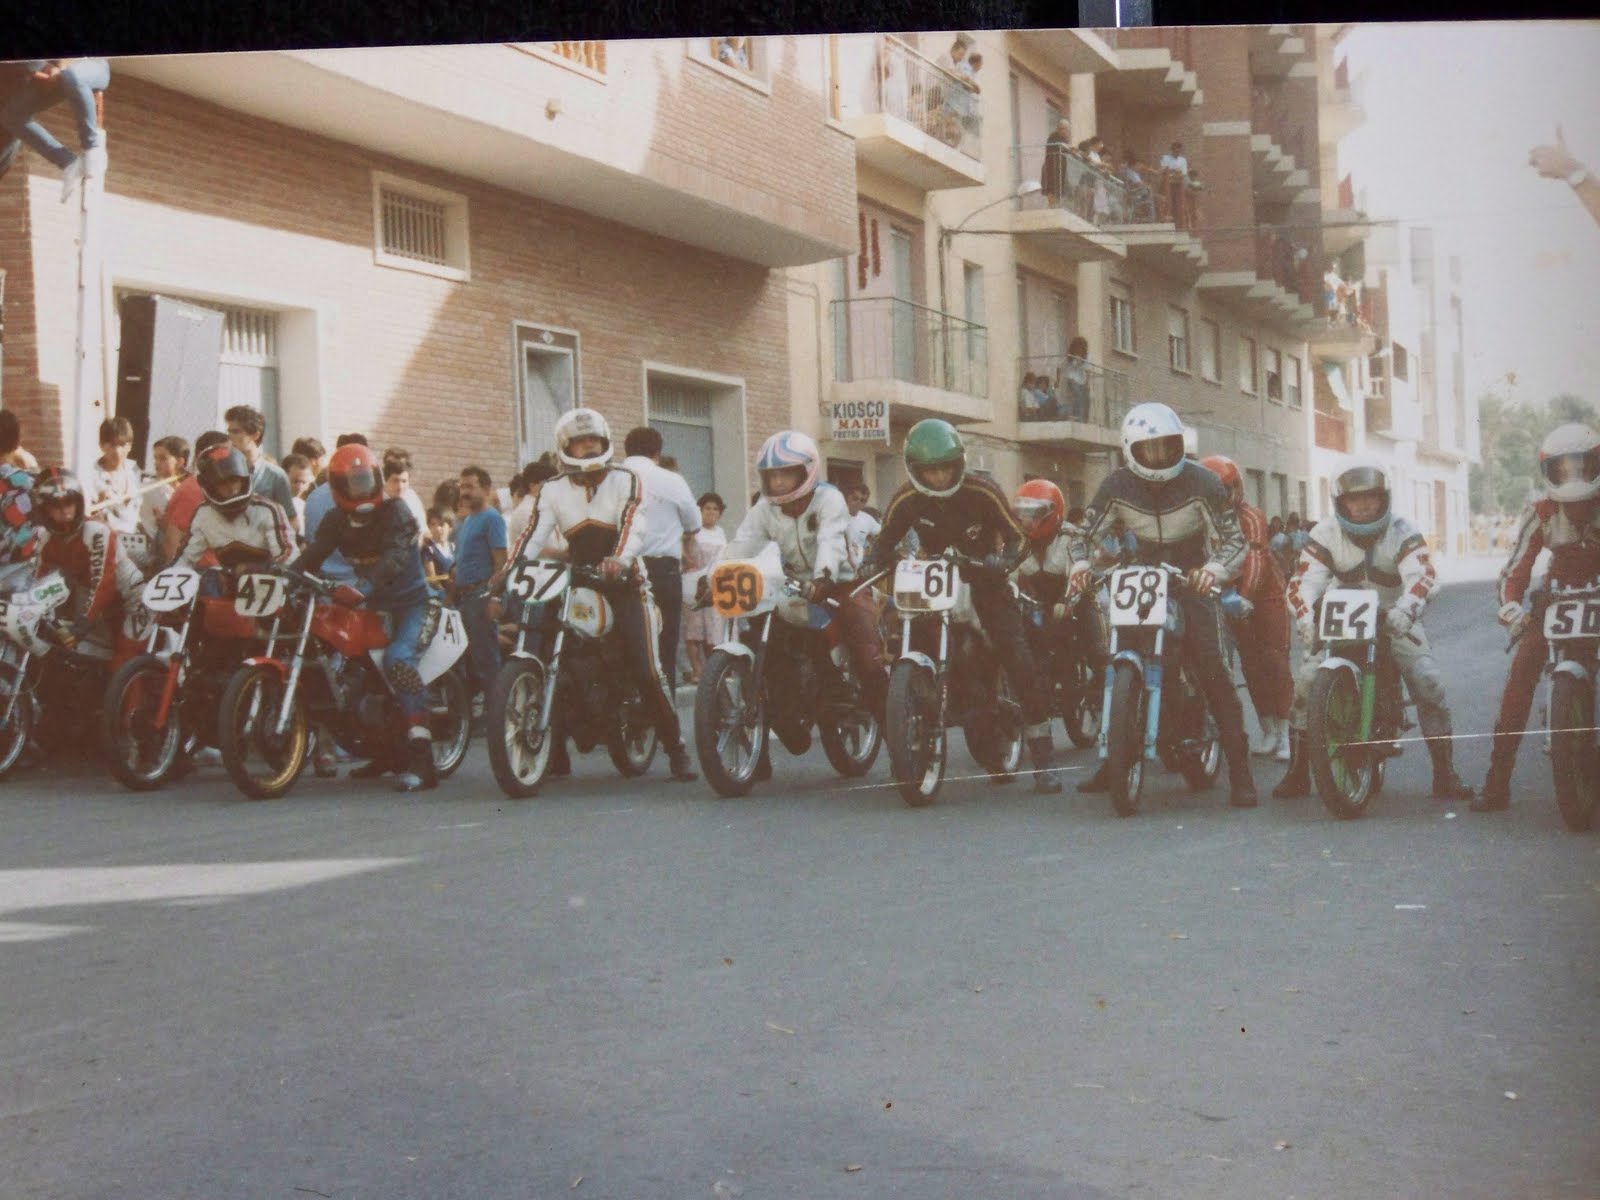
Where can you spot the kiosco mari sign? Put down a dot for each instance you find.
(859, 421)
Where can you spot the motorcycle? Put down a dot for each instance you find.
(946, 674)
(783, 669)
(1074, 683)
(1152, 713)
(163, 704)
(1571, 623)
(27, 605)
(1357, 706)
(567, 660)
(323, 664)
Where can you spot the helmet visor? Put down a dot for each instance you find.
(782, 481)
(1361, 479)
(1031, 512)
(358, 485)
(1158, 454)
(1572, 468)
(939, 476)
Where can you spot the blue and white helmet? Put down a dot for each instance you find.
(1361, 475)
(789, 448)
(1152, 442)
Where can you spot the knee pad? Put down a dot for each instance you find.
(403, 677)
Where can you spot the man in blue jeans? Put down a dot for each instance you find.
(480, 553)
(37, 85)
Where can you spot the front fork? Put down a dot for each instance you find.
(177, 668)
(1152, 672)
(295, 664)
(19, 683)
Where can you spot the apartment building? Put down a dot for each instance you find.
(447, 246)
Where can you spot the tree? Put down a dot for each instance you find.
(1510, 436)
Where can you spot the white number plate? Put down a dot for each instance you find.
(1572, 619)
(259, 595)
(537, 579)
(1139, 596)
(1349, 615)
(172, 589)
(926, 585)
(49, 593)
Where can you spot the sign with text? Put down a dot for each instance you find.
(858, 420)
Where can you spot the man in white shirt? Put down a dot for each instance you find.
(667, 516)
(863, 525)
(1176, 168)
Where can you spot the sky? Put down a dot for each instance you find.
(1451, 113)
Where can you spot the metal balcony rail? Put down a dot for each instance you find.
(1059, 387)
(1069, 181)
(920, 92)
(887, 338)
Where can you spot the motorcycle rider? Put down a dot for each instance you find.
(103, 579)
(1366, 544)
(237, 526)
(810, 522)
(1041, 512)
(377, 535)
(1178, 512)
(946, 505)
(1565, 521)
(594, 504)
(1264, 644)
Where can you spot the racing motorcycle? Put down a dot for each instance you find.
(946, 674)
(567, 660)
(1571, 623)
(1152, 712)
(783, 669)
(27, 605)
(323, 664)
(1357, 706)
(1071, 674)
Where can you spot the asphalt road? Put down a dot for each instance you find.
(641, 991)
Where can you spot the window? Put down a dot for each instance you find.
(1247, 365)
(1122, 323)
(1178, 339)
(1280, 484)
(1274, 375)
(419, 228)
(548, 385)
(742, 58)
(1210, 351)
(1291, 380)
(1258, 487)
(1402, 362)
(1305, 513)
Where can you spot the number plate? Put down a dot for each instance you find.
(926, 585)
(1139, 596)
(259, 595)
(172, 589)
(49, 593)
(537, 579)
(1349, 615)
(736, 588)
(1572, 619)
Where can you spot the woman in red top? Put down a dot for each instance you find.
(1264, 649)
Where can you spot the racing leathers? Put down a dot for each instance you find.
(1398, 566)
(976, 522)
(598, 515)
(1187, 522)
(1264, 643)
(256, 532)
(105, 587)
(1571, 532)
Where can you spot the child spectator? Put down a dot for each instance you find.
(301, 480)
(116, 481)
(438, 548)
(11, 452)
(169, 458)
(702, 627)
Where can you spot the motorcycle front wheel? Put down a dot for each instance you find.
(994, 736)
(851, 743)
(262, 763)
(1572, 750)
(14, 736)
(518, 728)
(1343, 775)
(1125, 739)
(140, 753)
(916, 743)
(730, 723)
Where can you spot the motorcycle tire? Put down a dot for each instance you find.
(632, 746)
(1572, 750)
(852, 744)
(241, 732)
(1343, 781)
(917, 748)
(1201, 766)
(729, 737)
(1125, 739)
(140, 756)
(449, 721)
(1080, 706)
(517, 729)
(14, 737)
(995, 735)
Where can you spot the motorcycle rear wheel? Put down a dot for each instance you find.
(1344, 777)
(248, 710)
(1080, 707)
(140, 755)
(14, 737)
(730, 723)
(631, 743)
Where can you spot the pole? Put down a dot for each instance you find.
(88, 379)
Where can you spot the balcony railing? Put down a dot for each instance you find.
(1070, 181)
(886, 338)
(1333, 431)
(920, 92)
(589, 55)
(1060, 387)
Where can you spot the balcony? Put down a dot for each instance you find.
(1070, 51)
(1343, 228)
(1079, 405)
(1274, 178)
(1339, 338)
(912, 119)
(1150, 71)
(1075, 203)
(1332, 431)
(1275, 50)
(925, 363)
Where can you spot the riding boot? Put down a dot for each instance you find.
(1241, 785)
(560, 765)
(1496, 795)
(1296, 782)
(764, 763)
(1447, 785)
(1040, 751)
(678, 762)
(420, 775)
(1269, 737)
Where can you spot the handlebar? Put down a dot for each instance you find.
(305, 579)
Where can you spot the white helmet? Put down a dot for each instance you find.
(1361, 475)
(1152, 442)
(1569, 461)
(577, 423)
(789, 448)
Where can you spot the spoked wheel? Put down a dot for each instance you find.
(917, 743)
(851, 743)
(1343, 773)
(1572, 750)
(1125, 739)
(632, 740)
(449, 721)
(262, 762)
(994, 737)
(141, 750)
(15, 733)
(730, 723)
(1201, 765)
(518, 728)
(1080, 709)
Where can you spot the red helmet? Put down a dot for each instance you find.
(356, 480)
(1227, 470)
(1039, 508)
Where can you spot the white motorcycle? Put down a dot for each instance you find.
(26, 602)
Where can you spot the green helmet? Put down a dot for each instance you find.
(934, 443)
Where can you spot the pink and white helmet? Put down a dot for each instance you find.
(789, 448)
(1569, 462)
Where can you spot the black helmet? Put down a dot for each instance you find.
(53, 484)
(219, 466)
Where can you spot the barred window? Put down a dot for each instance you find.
(420, 228)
